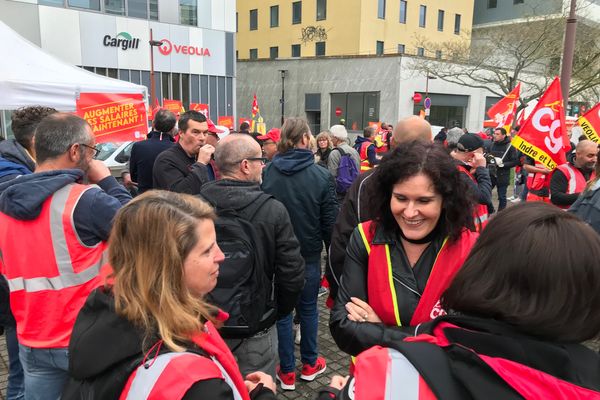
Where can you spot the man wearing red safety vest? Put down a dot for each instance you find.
(570, 179)
(468, 154)
(366, 149)
(66, 225)
(538, 180)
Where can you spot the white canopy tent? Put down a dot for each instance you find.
(32, 77)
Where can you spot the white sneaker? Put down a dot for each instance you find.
(297, 336)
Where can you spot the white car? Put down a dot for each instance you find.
(115, 156)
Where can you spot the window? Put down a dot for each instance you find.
(188, 12)
(359, 108)
(422, 16)
(492, 3)
(420, 51)
(137, 8)
(321, 10)
(381, 9)
(295, 50)
(438, 54)
(457, 24)
(116, 7)
(441, 20)
(253, 19)
(402, 11)
(253, 54)
(274, 16)
(401, 49)
(297, 12)
(518, 1)
(59, 3)
(87, 4)
(274, 52)
(153, 7)
(379, 48)
(319, 49)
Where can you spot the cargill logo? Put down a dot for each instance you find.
(122, 40)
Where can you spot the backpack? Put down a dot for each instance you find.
(347, 172)
(243, 289)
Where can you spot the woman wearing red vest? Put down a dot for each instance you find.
(398, 264)
(525, 299)
(151, 335)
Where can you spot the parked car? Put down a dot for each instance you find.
(115, 156)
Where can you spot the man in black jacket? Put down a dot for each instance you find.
(182, 168)
(506, 159)
(355, 208)
(239, 160)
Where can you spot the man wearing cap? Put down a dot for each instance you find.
(144, 153)
(470, 161)
(339, 138)
(269, 143)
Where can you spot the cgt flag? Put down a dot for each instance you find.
(590, 123)
(543, 136)
(503, 112)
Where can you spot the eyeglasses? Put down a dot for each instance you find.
(262, 160)
(96, 150)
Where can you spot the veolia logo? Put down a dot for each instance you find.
(122, 40)
(168, 47)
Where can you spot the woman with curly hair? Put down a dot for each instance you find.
(398, 264)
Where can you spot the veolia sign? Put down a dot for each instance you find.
(168, 47)
(123, 40)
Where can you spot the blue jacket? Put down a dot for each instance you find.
(371, 153)
(10, 170)
(308, 192)
(12, 151)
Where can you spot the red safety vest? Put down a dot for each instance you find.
(171, 375)
(384, 373)
(481, 215)
(382, 146)
(576, 180)
(380, 282)
(49, 271)
(538, 181)
(364, 157)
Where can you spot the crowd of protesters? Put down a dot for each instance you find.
(190, 290)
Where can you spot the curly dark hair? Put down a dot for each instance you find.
(413, 158)
(25, 120)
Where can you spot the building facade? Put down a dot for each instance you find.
(271, 29)
(195, 63)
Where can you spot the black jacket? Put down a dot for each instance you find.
(511, 160)
(285, 265)
(354, 210)
(308, 192)
(105, 349)
(559, 185)
(174, 170)
(482, 188)
(143, 156)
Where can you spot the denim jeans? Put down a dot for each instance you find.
(309, 319)
(256, 353)
(46, 372)
(16, 386)
(502, 197)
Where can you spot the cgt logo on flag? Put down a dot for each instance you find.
(550, 125)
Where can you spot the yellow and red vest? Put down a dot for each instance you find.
(171, 375)
(576, 180)
(481, 215)
(364, 156)
(50, 272)
(380, 281)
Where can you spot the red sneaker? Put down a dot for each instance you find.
(287, 380)
(310, 372)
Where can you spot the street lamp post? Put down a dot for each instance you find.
(153, 43)
(427, 92)
(282, 100)
(569, 49)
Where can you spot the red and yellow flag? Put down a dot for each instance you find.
(543, 136)
(503, 112)
(255, 114)
(590, 123)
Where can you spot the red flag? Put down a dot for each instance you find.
(590, 123)
(255, 109)
(154, 109)
(504, 111)
(175, 106)
(543, 136)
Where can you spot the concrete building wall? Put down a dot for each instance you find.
(507, 10)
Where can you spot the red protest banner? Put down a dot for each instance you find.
(504, 111)
(590, 123)
(203, 108)
(226, 121)
(543, 136)
(242, 120)
(175, 106)
(114, 117)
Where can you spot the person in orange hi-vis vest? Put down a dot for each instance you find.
(66, 225)
(366, 149)
(570, 179)
(151, 334)
(399, 263)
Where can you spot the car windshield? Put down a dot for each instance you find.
(106, 149)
